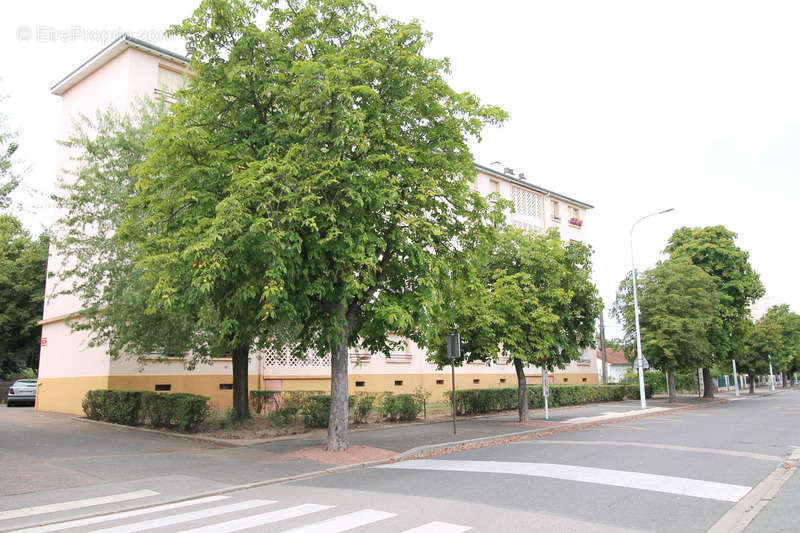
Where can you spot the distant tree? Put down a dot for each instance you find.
(523, 297)
(309, 177)
(23, 265)
(96, 262)
(714, 250)
(677, 314)
(777, 336)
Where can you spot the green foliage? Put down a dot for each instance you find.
(776, 334)
(9, 179)
(530, 294)
(184, 411)
(283, 416)
(656, 381)
(481, 401)
(261, 399)
(307, 177)
(362, 408)
(737, 285)
(678, 305)
(401, 406)
(316, 411)
(23, 268)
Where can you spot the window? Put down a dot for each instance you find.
(566, 380)
(476, 381)
(555, 212)
(494, 186)
(575, 217)
(440, 382)
(398, 382)
(164, 387)
(360, 383)
(526, 203)
(503, 380)
(226, 386)
(584, 379)
(169, 81)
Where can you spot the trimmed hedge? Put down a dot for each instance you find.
(479, 401)
(131, 408)
(401, 406)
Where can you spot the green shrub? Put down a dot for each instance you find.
(157, 410)
(363, 407)
(316, 411)
(401, 406)
(190, 409)
(260, 399)
(478, 401)
(185, 411)
(123, 407)
(283, 416)
(93, 404)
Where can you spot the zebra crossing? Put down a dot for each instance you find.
(222, 515)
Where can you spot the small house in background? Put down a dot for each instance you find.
(617, 365)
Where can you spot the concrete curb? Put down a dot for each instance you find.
(747, 509)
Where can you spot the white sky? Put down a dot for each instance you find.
(630, 106)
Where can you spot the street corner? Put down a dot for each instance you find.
(355, 454)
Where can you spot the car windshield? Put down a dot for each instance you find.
(25, 382)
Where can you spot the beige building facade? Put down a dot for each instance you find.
(129, 69)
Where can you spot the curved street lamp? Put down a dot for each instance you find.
(636, 310)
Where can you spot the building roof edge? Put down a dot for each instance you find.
(108, 53)
(531, 186)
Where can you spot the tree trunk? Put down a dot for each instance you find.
(673, 396)
(752, 384)
(241, 400)
(337, 423)
(708, 384)
(785, 379)
(522, 385)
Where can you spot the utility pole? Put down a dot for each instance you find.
(603, 348)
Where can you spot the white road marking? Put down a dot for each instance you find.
(261, 519)
(119, 516)
(186, 517)
(75, 504)
(344, 522)
(609, 415)
(438, 527)
(693, 449)
(618, 478)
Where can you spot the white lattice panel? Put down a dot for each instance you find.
(285, 358)
(527, 227)
(526, 202)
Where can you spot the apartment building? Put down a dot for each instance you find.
(129, 69)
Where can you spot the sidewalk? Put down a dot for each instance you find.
(426, 438)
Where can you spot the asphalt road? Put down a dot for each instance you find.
(678, 472)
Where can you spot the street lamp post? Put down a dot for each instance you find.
(636, 311)
(771, 375)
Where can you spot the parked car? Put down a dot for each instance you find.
(22, 391)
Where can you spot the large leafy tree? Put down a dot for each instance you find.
(23, 264)
(714, 250)
(677, 314)
(313, 171)
(520, 297)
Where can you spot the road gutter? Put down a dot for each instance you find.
(743, 513)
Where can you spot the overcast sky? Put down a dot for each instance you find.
(632, 107)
